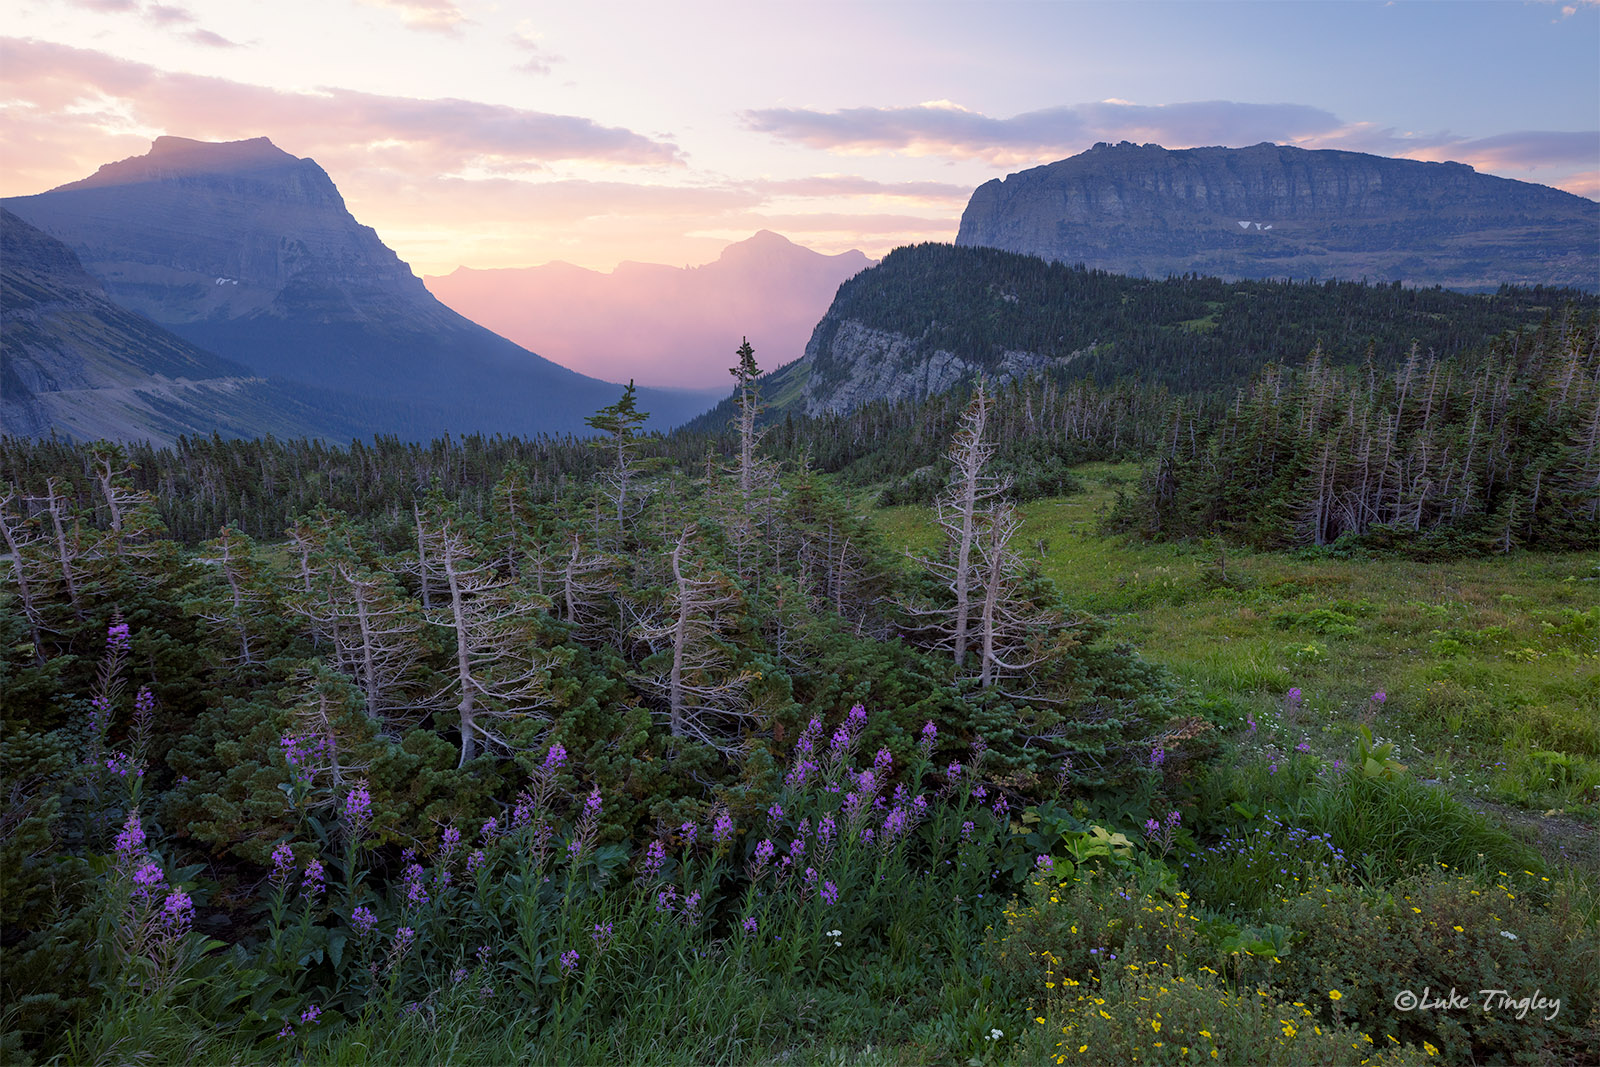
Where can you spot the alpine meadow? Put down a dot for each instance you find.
(1123, 603)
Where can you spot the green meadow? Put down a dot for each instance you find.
(1490, 667)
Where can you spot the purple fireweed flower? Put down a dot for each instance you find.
(763, 856)
(458, 975)
(121, 764)
(691, 909)
(416, 893)
(1173, 819)
(287, 1033)
(953, 772)
(130, 842)
(362, 921)
(830, 893)
(775, 812)
(1151, 827)
(826, 827)
(144, 702)
(476, 860)
(722, 828)
(966, 831)
(449, 840)
(797, 848)
(403, 939)
(882, 762)
(894, 823)
(1379, 697)
(1000, 807)
(602, 935)
(654, 858)
(592, 805)
(313, 881)
(178, 911)
(569, 960)
(1158, 756)
(1304, 746)
(867, 835)
(1044, 861)
(358, 805)
(282, 862)
(491, 830)
(117, 635)
(554, 758)
(1272, 768)
(1251, 720)
(148, 878)
(841, 741)
(979, 792)
(311, 1014)
(919, 806)
(667, 899)
(930, 736)
(750, 925)
(1293, 698)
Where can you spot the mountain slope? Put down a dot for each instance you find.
(1273, 211)
(933, 316)
(76, 363)
(250, 252)
(660, 325)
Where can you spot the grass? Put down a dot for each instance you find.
(1490, 667)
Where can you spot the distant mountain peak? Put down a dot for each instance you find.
(174, 156)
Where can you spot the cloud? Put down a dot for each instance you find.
(945, 129)
(540, 60)
(168, 14)
(89, 93)
(435, 16)
(211, 40)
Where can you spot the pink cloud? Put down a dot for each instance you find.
(92, 94)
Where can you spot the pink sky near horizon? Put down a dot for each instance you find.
(491, 135)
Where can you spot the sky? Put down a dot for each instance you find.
(501, 134)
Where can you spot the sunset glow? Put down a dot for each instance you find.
(498, 135)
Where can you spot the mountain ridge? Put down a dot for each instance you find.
(1278, 211)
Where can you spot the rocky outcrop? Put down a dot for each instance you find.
(855, 364)
(1272, 211)
(249, 252)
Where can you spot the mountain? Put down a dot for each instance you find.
(250, 252)
(1272, 211)
(658, 324)
(934, 316)
(73, 362)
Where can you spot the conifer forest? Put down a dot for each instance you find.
(1074, 718)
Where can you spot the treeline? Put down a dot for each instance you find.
(1448, 455)
(1191, 334)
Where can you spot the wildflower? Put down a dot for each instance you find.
(654, 858)
(286, 1033)
(449, 840)
(1508, 935)
(691, 909)
(569, 960)
(554, 758)
(358, 806)
(476, 860)
(722, 828)
(830, 893)
(491, 829)
(882, 762)
(363, 921)
(775, 812)
(130, 842)
(416, 894)
(1044, 862)
(1304, 746)
(966, 830)
(930, 734)
(764, 852)
(1158, 756)
(1293, 698)
(602, 935)
(1334, 994)
(687, 830)
(1379, 697)
(953, 772)
(313, 881)
(282, 862)
(148, 878)
(117, 639)
(311, 1014)
(178, 910)
(403, 939)
(667, 899)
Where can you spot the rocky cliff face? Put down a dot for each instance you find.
(1272, 211)
(74, 362)
(249, 252)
